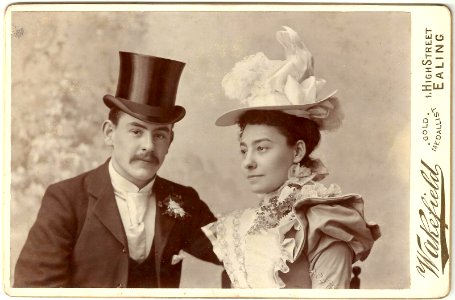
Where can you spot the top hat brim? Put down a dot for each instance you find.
(232, 117)
(144, 112)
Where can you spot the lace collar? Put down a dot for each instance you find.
(277, 206)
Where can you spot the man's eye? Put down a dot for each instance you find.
(243, 151)
(135, 131)
(159, 136)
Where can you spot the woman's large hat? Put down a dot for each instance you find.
(289, 86)
(147, 88)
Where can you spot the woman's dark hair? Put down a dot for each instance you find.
(292, 127)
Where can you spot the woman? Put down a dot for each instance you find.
(302, 234)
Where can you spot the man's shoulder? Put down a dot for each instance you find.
(172, 186)
(187, 193)
(188, 196)
(78, 182)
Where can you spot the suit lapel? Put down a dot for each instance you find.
(105, 206)
(163, 223)
(106, 210)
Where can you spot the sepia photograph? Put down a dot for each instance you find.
(226, 151)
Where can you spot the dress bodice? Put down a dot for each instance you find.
(299, 226)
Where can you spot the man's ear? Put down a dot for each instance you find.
(172, 136)
(108, 131)
(299, 151)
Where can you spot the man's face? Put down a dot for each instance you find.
(139, 148)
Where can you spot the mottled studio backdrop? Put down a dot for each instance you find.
(64, 62)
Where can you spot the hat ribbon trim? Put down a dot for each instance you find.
(144, 109)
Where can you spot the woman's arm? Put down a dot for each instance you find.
(331, 268)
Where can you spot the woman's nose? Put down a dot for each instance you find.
(248, 161)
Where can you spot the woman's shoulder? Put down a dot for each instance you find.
(332, 217)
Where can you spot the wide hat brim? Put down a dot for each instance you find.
(232, 117)
(145, 112)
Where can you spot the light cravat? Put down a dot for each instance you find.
(137, 206)
(137, 211)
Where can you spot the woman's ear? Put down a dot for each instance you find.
(299, 151)
(108, 130)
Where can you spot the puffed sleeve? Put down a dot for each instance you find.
(337, 236)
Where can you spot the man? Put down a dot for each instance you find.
(121, 225)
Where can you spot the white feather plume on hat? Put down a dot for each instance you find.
(288, 85)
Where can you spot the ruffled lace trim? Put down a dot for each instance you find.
(216, 233)
(287, 250)
(290, 247)
(332, 218)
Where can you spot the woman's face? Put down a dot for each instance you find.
(266, 157)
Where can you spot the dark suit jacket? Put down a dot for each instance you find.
(78, 239)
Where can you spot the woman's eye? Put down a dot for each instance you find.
(262, 148)
(243, 151)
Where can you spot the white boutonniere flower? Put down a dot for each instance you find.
(173, 205)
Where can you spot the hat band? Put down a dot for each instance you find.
(147, 110)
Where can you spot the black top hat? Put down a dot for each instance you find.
(147, 87)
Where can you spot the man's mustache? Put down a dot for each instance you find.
(148, 157)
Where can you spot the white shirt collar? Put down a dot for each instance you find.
(121, 184)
